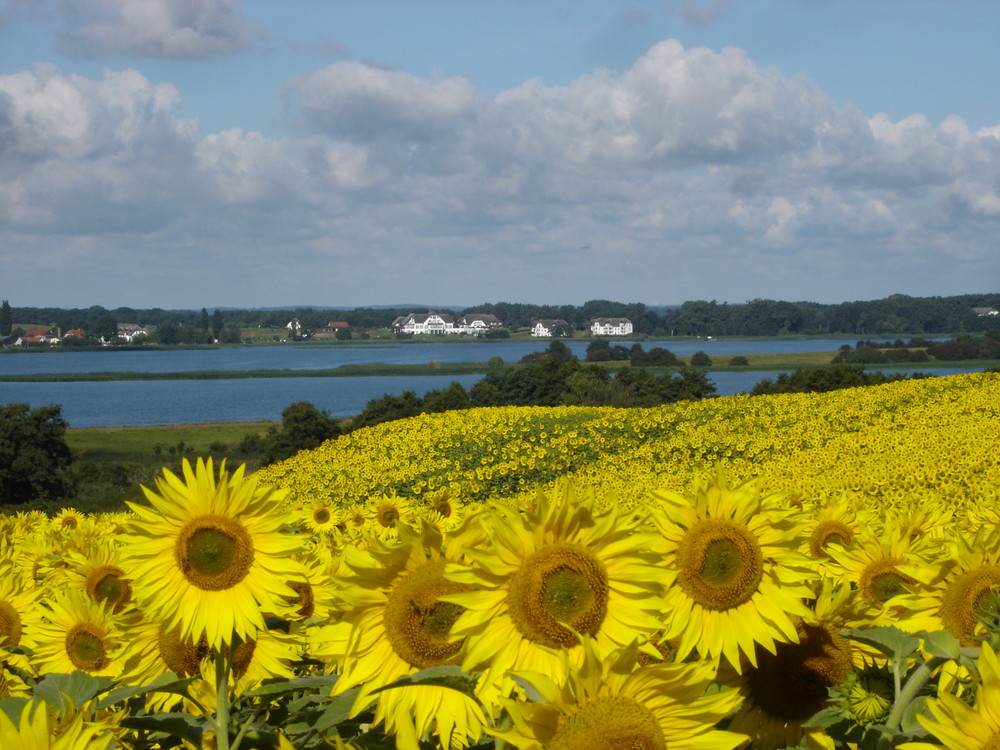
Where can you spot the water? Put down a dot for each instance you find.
(320, 357)
(118, 403)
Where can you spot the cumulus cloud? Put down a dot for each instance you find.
(158, 28)
(692, 173)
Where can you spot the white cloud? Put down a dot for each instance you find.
(692, 174)
(158, 28)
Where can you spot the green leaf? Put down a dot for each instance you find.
(178, 725)
(338, 711)
(891, 641)
(909, 723)
(276, 688)
(77, 687)
(447, 676)
(13, 708)
(530, 691)
(941, 643)
(167, 682)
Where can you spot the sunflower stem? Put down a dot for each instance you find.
(905, 696)
(222, 699)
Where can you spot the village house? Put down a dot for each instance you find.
(331, 328)
(128, 331)
(985, 312)
(611, 327)
(547, 327)
(477, 323)
(430, 322)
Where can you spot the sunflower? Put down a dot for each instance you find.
(965, 592)
(550, 575)
(35, 730)
(786, 688)
(885, 565)
(77, 633)
(741, 580)
(100, 574)
(832, 523)
(608, 703)
(321, 517)
(19, 614)
(210, 557)
(387, 514)
(395, 624)
(955, 723)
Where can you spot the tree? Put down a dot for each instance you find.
(34, 456)
(700, 359)
(105, 328)
(6, 319)
(303, 427)
(203, 322)
(217, 324)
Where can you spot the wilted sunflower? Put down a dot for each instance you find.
(209, 558)
(553, 574)
(395, 624)
(741, 579)
(77, 633)
(606, 703)
(956, 724)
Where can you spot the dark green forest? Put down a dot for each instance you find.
(896, 314)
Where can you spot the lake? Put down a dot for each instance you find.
(119, 403)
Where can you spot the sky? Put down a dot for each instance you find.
(262, 153)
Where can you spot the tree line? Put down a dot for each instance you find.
(892, 315)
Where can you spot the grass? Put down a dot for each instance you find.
(142, 443)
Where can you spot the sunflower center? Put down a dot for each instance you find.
(971, 596)
(85, 648)
(881, 580)
(792, 683)
(388, 517)
(107, 584)
(721, 564)
(10, 625)
(557, 592)
(417, 624)
(181, 656)
(214, 552)
(993, 743)
(618, 722)
(827, 533)
(321, 515)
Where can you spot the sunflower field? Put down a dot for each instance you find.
(790, 571)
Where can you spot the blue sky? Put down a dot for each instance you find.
(202, 153)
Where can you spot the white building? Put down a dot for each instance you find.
(475, 324)
(129, 331)
(546, 327)
(430, 322)
(441, 323)
(611, 327)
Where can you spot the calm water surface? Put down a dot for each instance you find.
(110, 404)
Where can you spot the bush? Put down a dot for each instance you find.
(739, 361)
(700, 359)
